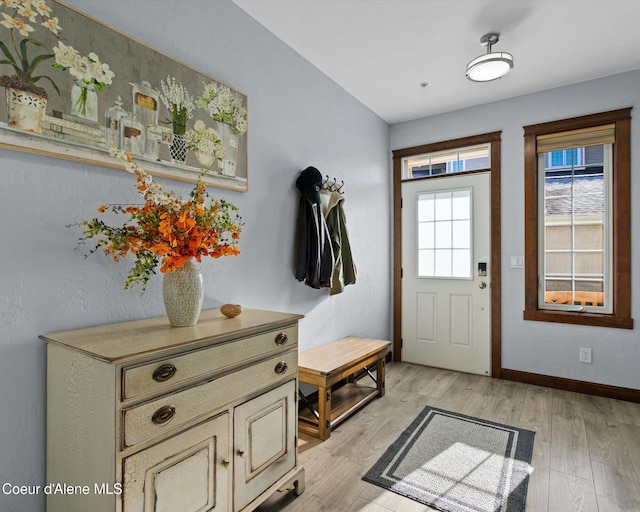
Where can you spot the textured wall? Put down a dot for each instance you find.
(542, 347)
(297, 117)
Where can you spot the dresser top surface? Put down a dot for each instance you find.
(122, 342)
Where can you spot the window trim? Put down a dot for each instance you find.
(621, 211)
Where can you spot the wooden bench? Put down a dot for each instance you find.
(350, 359)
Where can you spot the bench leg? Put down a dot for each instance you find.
(303, 398)
(380, 374)
(324, 412)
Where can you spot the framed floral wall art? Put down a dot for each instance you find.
(75, 87)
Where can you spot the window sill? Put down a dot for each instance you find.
(568, 317)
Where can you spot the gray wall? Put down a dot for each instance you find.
(297, 118)
(539, 347)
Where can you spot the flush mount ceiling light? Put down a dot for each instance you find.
(490, 66)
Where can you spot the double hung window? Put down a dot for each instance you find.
(577, 196)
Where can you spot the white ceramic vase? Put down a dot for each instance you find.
(183, 292)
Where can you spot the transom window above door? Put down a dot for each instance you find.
(472, 158)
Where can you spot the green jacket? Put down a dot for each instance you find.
(344, 269)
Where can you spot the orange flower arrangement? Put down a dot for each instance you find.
(166, 229)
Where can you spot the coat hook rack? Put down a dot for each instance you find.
(332, 186)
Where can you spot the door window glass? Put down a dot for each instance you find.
(444, 234)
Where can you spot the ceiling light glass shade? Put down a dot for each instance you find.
(490, 66)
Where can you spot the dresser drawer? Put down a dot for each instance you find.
(172, 411)
(154, 377)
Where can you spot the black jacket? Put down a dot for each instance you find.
(314, 260)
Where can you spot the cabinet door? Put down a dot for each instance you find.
(188, 472)
(265, 442)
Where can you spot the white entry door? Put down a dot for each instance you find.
(446, 248)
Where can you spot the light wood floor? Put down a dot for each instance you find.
(586, 452)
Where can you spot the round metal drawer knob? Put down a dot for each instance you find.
(163, 415)
(281, 339)
(281, 368)
(164, 372)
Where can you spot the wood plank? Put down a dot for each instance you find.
(507, 403)
(569, 493)
(458, 391)
(570, 453)
(536, 416)
(392, 501)
(412, 382)
(364, 437)
(362, 505)
(440, 384)
(626, 412)
(631, 436)
(617, 488)
(606, 443)
(338, 492)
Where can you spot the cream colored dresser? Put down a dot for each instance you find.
(146, 417)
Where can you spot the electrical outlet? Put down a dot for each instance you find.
(585, 355)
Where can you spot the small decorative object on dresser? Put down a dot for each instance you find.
(231, 310)
(150, 418)
(172, 231)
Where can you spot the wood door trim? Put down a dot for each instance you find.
(496, 271)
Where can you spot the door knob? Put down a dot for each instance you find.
(482, 285)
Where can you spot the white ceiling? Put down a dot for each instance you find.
(380, 51)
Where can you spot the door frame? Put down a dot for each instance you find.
(496, 266)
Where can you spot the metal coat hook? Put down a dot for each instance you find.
(332, 186)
